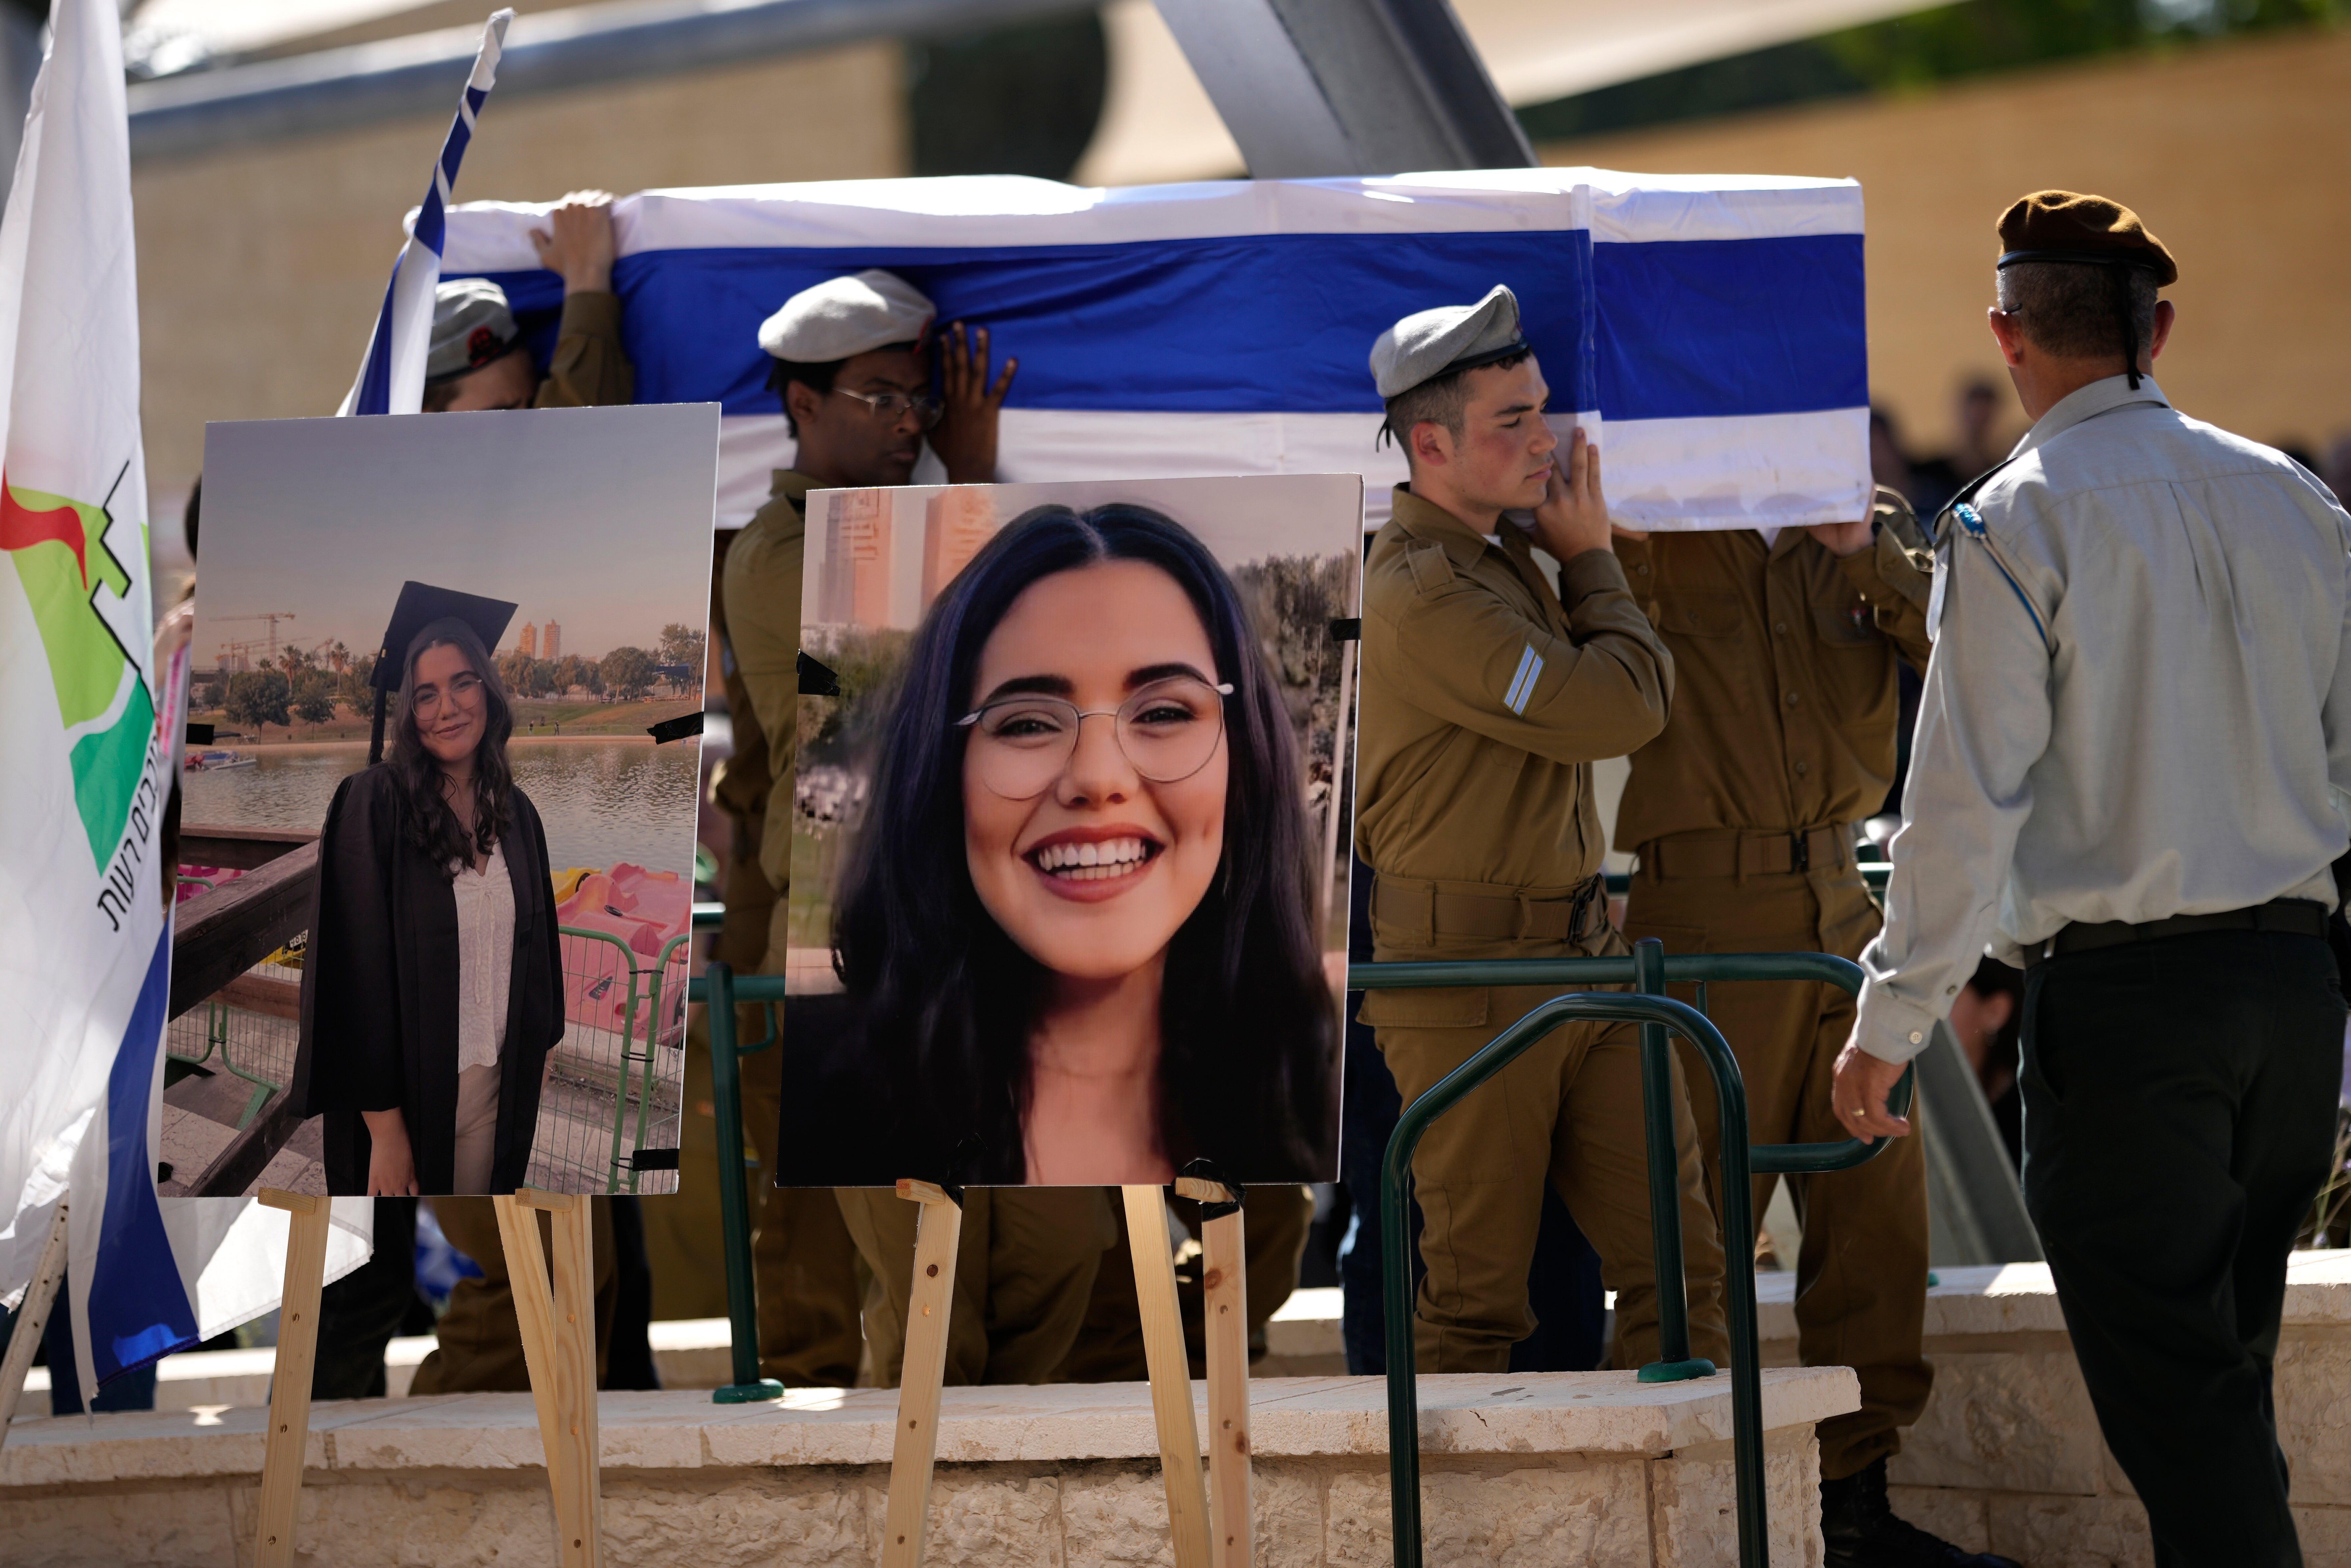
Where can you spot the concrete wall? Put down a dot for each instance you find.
(261, 268)
(2235, 153)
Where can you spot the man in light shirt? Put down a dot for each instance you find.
(2129, 776)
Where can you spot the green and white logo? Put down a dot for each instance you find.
(60, 549)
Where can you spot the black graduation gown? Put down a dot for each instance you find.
(380, 992)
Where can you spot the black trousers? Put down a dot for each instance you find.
(359, 1313)
(2178, 1117)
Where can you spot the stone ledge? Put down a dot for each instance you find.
(2011, 1298)
(1592, 1413)
(1593, 1468)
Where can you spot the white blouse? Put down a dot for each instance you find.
(486, 935)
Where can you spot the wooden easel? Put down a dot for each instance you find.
(558, 1343)
(1210, 1526)
(290, 1382)
(1225, 1312)
(907, 1518)
(32, 1319)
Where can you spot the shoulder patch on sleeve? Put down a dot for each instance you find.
(1431, 569)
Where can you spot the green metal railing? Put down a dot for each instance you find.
(1649, 970)
(216, 1032)
(719, 990)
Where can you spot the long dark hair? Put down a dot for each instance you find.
(432, 827)
(946, 1001)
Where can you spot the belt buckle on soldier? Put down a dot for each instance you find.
(1800, 850)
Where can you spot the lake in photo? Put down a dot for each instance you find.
(602, 802)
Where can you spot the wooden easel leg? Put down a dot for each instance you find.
(1230, 1510)
(558, 1343)
(1171, 1374)
(937, 1232)
(290, 1382)
(33, 1319)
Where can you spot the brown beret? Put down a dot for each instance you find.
(2062, 225)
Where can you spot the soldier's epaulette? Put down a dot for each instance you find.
(1431, 568)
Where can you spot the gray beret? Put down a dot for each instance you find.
(1428, 343)
(471, 327)
(845, 316)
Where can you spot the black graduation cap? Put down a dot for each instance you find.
(420, 605)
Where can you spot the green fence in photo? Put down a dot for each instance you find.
(623, 1064)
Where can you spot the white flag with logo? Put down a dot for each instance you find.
(85, 950)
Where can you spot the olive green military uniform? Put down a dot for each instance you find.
(1782, 735)
(802, 1258)
(1109, 1348)
(1026, 1263)
(477, 1343)
(589, 368)
(1487, 696)
(1028, 1258)
(480, 1339)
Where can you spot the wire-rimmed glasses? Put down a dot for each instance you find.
(890, 406)
(1167, 731)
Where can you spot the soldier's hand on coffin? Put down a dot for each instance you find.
(1844, 539)
(581, 246)
(1573, 517)
(964, 437)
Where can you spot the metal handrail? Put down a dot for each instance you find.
(1650, 969)
(719, 989)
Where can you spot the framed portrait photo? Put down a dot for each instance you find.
(437, 858)
(1069, 891)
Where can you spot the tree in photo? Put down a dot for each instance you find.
(313, 696)
(260, 697)
(573, 671)
(630, 672)
(680, 645)
(514, 670)
(356, 683)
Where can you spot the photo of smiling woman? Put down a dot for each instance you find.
(432, 987)
(1075, 937)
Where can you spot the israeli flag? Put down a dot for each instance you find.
(392, 375)
(1708, 330)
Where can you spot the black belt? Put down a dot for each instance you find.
(2295, 917)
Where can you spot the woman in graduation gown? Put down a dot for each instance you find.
(432, 985)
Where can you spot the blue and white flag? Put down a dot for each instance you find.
(1709, 329)
(392, 376)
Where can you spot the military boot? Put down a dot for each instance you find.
(1861, 1530)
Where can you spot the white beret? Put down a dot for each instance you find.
(1428, 343)
(471, 325)
(845, 316)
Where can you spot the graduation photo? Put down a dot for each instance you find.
(461, 719)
